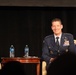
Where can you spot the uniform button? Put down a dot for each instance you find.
(58, 51)
(49, 47)
(66, 50)
(59, 54)
(51, 52)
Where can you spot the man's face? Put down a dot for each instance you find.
(57, 27)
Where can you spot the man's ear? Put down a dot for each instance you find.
(61, 26)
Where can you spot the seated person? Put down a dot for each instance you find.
(58, 43)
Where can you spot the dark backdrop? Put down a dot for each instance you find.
(29, 25)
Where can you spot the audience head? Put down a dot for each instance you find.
(64, 64)
(13, 68)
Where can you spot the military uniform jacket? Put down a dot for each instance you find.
(49, 49)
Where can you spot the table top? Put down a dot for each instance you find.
(30, 59)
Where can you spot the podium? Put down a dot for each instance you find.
(33, 59)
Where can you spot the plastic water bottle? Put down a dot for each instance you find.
(26, 51)
(12, 53)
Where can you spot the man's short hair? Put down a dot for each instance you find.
(56, 19)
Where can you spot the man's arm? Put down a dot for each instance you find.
(45, 52)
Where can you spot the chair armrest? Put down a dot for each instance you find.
(44, 72)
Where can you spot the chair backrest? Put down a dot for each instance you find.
(75, 42)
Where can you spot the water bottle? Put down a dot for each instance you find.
(26, 51)
(12, 51)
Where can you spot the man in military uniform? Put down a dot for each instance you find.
(57, 43)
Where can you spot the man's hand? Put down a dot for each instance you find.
(52, 59)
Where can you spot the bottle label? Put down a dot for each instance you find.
(26, 52)
(11, 52)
